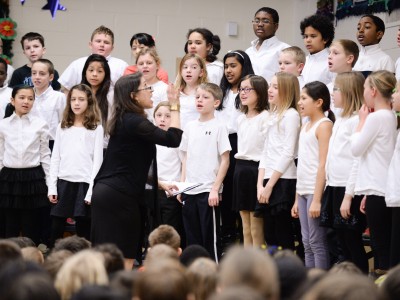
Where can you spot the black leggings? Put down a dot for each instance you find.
(379, 218)
(395, 241)
(82, 226)
(353, 248)
(23, 221)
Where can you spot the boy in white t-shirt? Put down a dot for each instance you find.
(206, 147)
(102, 43)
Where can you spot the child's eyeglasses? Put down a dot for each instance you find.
(245, 90)
(262, 21)
(336, 89)
(150, 88)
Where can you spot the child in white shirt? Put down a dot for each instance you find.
(206, 149)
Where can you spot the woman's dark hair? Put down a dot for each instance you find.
(143, 39)
(210, 38)
(125, 90)
(247, 69)
(102, 91)
(318, 90)
(260, 86)
(322, 24)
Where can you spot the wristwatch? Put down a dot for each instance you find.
(175, 107)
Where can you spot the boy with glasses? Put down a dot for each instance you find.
(264, 51)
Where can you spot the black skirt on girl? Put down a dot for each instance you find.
(245, 185)
(71, 200)
(330, 210)
(23, 188)
(281, 199)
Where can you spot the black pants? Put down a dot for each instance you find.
(278, 230)
(201, 223)
(82, 226)
(171, 214)
(353, 249)
(229, 218)
(379, 218)
(22, 221)
(395, 240)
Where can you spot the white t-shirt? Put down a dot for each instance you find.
(169, 163)
(281, 143)
(5, 98)
(398, 69)
(77, 156)
(392, 195)
(308, 162)
(373, 58)
(341, 166)
(229, 114)
(50, 107)
(215, 71)
(316, 68)
(204, 143)
(265, 59)
(10, 71)
(251, 136)
(73, 73)
(188, 109)
(374, 145)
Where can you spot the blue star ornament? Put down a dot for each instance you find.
(53, 6)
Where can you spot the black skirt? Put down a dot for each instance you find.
(71, 200)
(245, 185)
(330, 210)
(23, 188)
(281, 199)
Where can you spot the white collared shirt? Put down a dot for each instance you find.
(373, 58)
(215, 71)
(24, 143)
(73, 73)
(316, 68)
(265, 59)
(398, 69)
(229, 114)
(5, 98)
(50, 107)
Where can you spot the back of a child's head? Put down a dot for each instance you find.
(346, 267)
(99, 292)
(210, 39)
(317, 90)
(113, 257)
(251, 267)
(351, 86)
(31, 36)
(32, 254)
(343, 286)
(350, 48)
(84, 267)
(124, 281)
(322, 24)
(298, 54)
(103, 30)
(163, 281)
(390, 288)
(202, 275)
(191, 253)
(22, 241)
(239, 292)
(55, 260)
(143, 39)
(9, 251)
(72, 243)
(160, 251)
(292, 273)
(47, 62)
(384, 81)
(165, 234)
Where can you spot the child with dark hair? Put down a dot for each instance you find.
(72, 243)
(113, 258)
(318, 33)
(33, 47)
(204, 43)
(138, 42)
(264, 51)
(370, 30)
